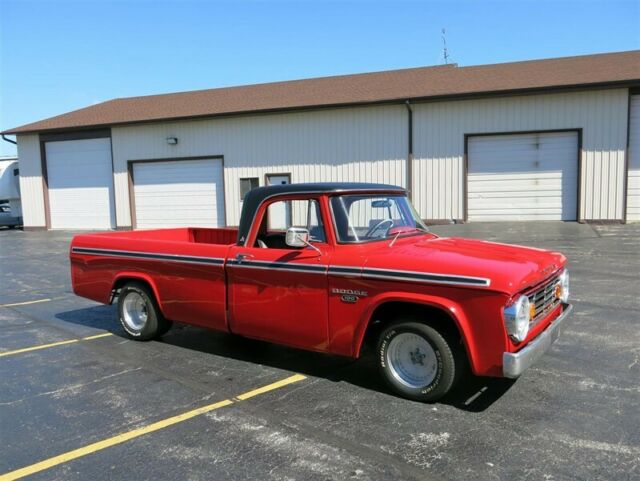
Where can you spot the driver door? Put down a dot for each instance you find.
(280, 293)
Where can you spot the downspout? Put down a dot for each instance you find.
(9, 140)
(410, 150)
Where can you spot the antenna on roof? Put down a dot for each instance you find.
(445, 51)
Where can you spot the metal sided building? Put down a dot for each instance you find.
(555, 139)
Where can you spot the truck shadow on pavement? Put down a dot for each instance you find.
(476, 394)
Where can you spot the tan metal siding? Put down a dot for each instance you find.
(439, 129)
(364, 144)
(370, 144)
(31, 193)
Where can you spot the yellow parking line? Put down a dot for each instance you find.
(97, 336)
(121, 438)
(53, 344)
(26, 303)
(270, 387)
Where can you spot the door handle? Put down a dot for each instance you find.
(243, 257)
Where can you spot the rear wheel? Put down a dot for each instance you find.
(139, 313)
(417, 361)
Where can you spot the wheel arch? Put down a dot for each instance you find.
(442, 314)
(125, 277)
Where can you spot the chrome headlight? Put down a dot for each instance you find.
(562, 289)
(517, 317)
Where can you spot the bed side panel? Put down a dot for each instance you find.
(188, 277)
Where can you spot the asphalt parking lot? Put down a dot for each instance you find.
(109, 408)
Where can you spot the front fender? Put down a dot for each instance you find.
(452, 308)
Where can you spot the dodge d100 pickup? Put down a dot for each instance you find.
(330, 267)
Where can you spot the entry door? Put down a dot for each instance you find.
(278, 217)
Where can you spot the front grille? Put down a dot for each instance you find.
(545, 300)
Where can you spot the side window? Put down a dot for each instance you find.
(296, 213)
(314, 223)
(279, 217)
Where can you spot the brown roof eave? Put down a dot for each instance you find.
(631, 84)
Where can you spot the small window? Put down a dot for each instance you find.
(16, 172)
(248, 184)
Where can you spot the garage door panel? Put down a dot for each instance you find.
(179, 194)
(524, 176)
(523, 216)
(530, 210)
(546, 177)
(517, 185)
(540, 194)
(540, 164)
(80, 181)
(549, 203)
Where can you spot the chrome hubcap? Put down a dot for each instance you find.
(412, 360)
(134, 311)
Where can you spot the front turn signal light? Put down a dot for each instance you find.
(558, 291)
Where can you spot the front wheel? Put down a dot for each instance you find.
(417, 361)
(139, 313)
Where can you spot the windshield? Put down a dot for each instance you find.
(366, 218)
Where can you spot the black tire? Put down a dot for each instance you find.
(447, 361)
(155, 324)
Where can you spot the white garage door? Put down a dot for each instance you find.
(183, 193)
(633, 189)
(523, 177)
(80, 180)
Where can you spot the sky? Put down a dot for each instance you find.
(57, 56)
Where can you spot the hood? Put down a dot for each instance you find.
(507, 268)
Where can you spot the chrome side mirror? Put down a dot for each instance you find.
(297, 237)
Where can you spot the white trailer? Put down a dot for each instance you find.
(10, 191)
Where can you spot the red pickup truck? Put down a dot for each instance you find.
(328, 267)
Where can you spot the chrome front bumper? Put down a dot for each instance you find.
(515, 363)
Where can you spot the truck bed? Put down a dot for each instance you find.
(184, 267)
(202, 235)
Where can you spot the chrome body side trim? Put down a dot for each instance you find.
(148, 256)
(428, 277)
(343, 271)
(280, 266)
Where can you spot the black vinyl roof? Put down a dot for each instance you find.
(257, 196)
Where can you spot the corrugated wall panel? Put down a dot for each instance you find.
(439, 130)
(31, 193)
(364, 144)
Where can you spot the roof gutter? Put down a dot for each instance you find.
(9, 140)
(410, 150)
